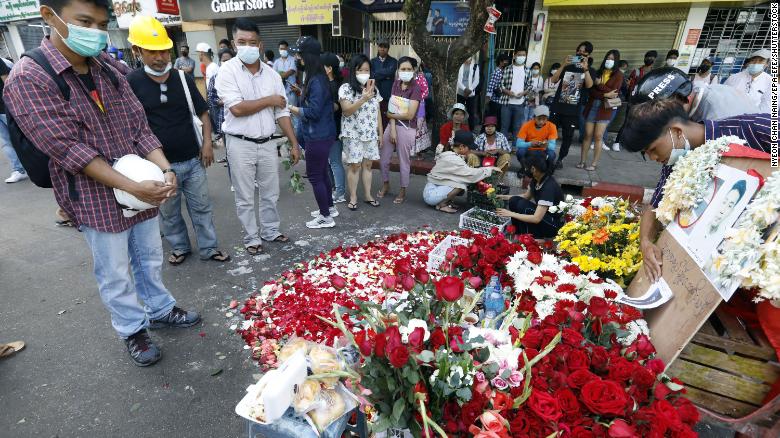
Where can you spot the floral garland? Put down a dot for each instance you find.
(745, 255)
(690, 177)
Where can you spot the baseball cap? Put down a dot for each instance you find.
(541, 110)
(761, 53)
(490, 120)
(203, 47)
(463, 137)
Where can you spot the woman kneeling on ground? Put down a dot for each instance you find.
(449, 176)
(529, 211)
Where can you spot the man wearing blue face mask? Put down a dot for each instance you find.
(663, 131)
(98, 121)
(754, 81)
(254, 100)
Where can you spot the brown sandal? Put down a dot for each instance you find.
(177, 257)
(220, 256)
(254, 249)
(446, 209)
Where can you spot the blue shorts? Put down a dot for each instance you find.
(593, 114)
(433, 194)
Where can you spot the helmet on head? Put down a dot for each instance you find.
(148, 33)
(137, 169)
(662, 83)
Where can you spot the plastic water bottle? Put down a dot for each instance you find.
(494, 299)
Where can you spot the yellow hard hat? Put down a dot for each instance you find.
(148, 33)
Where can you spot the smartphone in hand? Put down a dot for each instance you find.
(576, 59)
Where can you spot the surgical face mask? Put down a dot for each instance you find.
(609, 63)
(341, 64)
(535, 72)
(520, 60)
(755, 69)
(83, 41)
(363, 78)
(552, 72)
(154, 72)
(678, 153)
(405, 76)
(622, 70)
(248, 54)
(671, 62)
(283, 53)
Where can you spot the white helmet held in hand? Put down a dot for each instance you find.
(137, 169)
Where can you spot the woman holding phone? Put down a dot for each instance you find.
(598, 112)
(361, 127)
(401, 128)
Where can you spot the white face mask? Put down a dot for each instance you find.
(678, 153)
(520, 60)
(154, 72)
(671, 62)
(405, 76)
(283, 53)
(363, 78)
(341, 64)
(609, 63)
(535, 72)
(248, 54)
(552, 73)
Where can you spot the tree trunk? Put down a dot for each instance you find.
(445, 57)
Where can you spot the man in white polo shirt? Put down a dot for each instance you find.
(754, 81)
(254, 97)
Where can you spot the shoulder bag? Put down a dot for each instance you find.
(197, 124)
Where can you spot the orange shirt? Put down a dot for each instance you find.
(528, 132)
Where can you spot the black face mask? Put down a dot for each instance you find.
(704, 68)
(649, 61)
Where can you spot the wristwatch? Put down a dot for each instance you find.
(169, 170)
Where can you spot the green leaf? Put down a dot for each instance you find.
(426, 356)
(505, 374)
(398, 409)
(413, 378)
(464, 394)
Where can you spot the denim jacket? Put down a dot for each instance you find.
(316, 113)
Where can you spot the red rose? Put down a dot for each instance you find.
(581, 432)
(620, 370)
(403, 266)
(666, 416)
(643, 346)
(449, 288)
(470, 411)
(532, 338)
(572, 337)
(416, 338)
(438, 340)
(643, 378)
(420, 388)
(621, 429)
(568, 402)
(604, 397)
(475, 282)
(520, 425)
(598, 306)
(456, 338)
(599, 358)
(422, 275)
(364, 340)
(399, 356)
(656, 365)
(381, 345)
(337, 281)
(661, 391)
(544, 406)
(389, 282)
(510, 230)
(577, 359)
(687, 411)
(535, 257)
(407, 282)
(502, 401)
(393, 336)
(579, 378)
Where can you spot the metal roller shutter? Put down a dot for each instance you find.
(31, 34)
(272, 33)
(629, 29)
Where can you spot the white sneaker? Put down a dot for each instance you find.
(232, 189)
(16, 176)
(616, 147)
(333, 212)
(604, 146)
(321, 222)
(339, 199)
(592, 146)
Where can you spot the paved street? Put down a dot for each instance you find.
(74, 379)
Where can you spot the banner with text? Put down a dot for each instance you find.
(126, 11)
(13, 10)
(303, 12)
(448, 18)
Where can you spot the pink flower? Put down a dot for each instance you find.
(515, 379)
(479, 377)
(499, 383)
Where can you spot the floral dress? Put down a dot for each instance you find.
(359, 132)
(422, 139)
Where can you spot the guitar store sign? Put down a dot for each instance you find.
(221, 9)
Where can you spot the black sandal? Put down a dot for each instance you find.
(373, 203)
(177, 257)
(352, 206)
(281, 239)
(220, 256)
(254, 249)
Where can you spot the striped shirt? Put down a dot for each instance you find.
(495, 82)
(753, 128)
(75, 132)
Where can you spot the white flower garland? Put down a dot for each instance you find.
(690, 177)
(745, 256)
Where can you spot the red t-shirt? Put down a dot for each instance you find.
(445, 133)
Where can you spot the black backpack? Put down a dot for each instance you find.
(35, 162)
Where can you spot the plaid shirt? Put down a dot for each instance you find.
(755, 129)
(506, 84)
(75, 132)
(494, 83)
(502, 143)
(217, 110)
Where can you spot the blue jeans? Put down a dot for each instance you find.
(511, 119)
(140, 249)
(192, 182)
(337, 168)
(529, 113)
(5, 143)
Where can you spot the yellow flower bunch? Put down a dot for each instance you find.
(604, 237)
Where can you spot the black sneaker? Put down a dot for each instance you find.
(176, 318)
(142, 350)
(559, 165)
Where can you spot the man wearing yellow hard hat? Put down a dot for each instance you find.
(179, 117)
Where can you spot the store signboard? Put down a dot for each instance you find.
(377, 5)
(168, 7)
(448, 18)
(193, 10)
(303, 12)
(13, 10)
(125, 11)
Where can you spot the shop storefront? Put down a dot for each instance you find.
(167, 11)
(22, 26)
